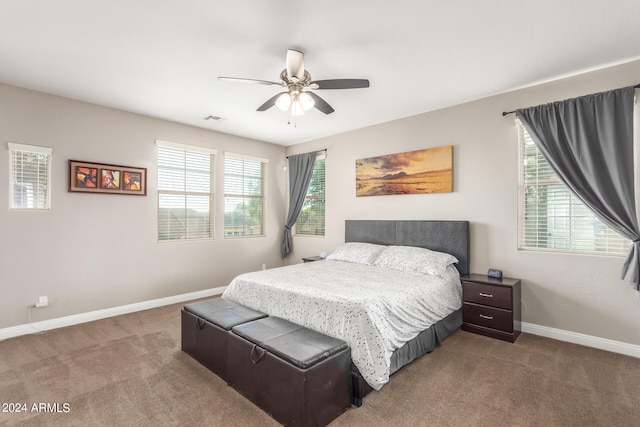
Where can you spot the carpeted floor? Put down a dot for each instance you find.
(129, 371)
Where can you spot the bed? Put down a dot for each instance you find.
(388, 316)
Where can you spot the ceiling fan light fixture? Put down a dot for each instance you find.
(284, 101)
(296, 108)
(299, 95)
(306, 101)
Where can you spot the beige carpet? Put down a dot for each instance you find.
(129, 371)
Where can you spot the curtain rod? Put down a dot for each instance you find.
(505, 113)
(317, 151)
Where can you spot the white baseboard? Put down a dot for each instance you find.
(75, 319)
(582, 339)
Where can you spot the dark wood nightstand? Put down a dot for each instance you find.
(311, 259)
(491, 307)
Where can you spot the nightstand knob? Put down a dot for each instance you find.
(485, 295)
(486, 317)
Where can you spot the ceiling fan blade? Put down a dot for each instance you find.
(239, 80)
(341, 84)
(321, 104)
(295, 64)
(270, 102)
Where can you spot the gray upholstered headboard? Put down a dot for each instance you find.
(443, 236)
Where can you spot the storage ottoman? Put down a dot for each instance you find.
(205, 330)
(296, 375)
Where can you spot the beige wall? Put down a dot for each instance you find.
(575, 293)
(91, 251)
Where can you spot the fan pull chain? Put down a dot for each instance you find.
(295, 117)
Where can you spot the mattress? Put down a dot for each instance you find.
(375, 310)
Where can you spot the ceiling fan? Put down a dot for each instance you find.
(298, 98)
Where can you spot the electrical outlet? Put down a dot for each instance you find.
(42, 302)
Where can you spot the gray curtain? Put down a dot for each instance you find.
(300, 173)
(588, 141)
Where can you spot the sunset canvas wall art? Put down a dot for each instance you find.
(414, 172)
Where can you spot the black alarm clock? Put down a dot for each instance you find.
(496, 274)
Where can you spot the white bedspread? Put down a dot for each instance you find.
(374, 310)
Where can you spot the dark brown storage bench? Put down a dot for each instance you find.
(297, 375)
(205, 330)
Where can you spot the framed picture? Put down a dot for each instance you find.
(414, 172)
(89, 177)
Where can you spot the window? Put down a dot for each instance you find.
(311, 219)
(30, 175)
(244, 191)
(185, 191)
(550, 216)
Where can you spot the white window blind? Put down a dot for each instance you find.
(244, 195)
(185, 192)
(30, 177)
(312, 217)
(551, 218)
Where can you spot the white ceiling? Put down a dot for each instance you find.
(162, 57)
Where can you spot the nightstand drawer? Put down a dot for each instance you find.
(495, 296)
(489, 317)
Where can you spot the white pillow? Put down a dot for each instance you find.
(414, 259)
(357, 252)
